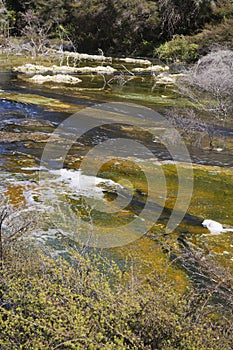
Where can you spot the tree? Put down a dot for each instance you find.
(114, 26)
(4, 20)
(51, 11)
(183, 17)
(210, 85)
(48, 13)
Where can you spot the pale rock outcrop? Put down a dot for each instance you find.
(81, 56)
(155, 68)
(167, 79)
(135, 61)
(29, 68)
(58, 78)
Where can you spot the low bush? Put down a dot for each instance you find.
(47, 302)
(209, 84)
(178, 49)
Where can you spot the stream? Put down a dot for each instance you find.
(29, 115)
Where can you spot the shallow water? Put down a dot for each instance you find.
(30, 113)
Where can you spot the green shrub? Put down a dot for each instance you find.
(49, 303)
(178, 49)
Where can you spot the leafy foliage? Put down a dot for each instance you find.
(111, 24)
(128, 27)
(89, 303)
(218, 32)
(178, 48)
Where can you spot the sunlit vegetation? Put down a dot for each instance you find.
(174, 294)
(121, 27)
(83, 300)
(88, 302)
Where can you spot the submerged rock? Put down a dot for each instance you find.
(156, 68)
(135, 61)
(97, 70)
(167, 79)
(29, 68)
(58, 78)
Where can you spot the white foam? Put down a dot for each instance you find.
(215, 227)
(81, 184)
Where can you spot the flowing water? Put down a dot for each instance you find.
(30, 113)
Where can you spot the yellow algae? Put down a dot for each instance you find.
(24, 136)
(15, 194)
(212, 193)
(149, 258)
(47, 103)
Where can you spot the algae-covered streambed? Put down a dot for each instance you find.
(29, 114)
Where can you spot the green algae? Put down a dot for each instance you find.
(212, 193)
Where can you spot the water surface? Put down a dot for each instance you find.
(30, 113)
